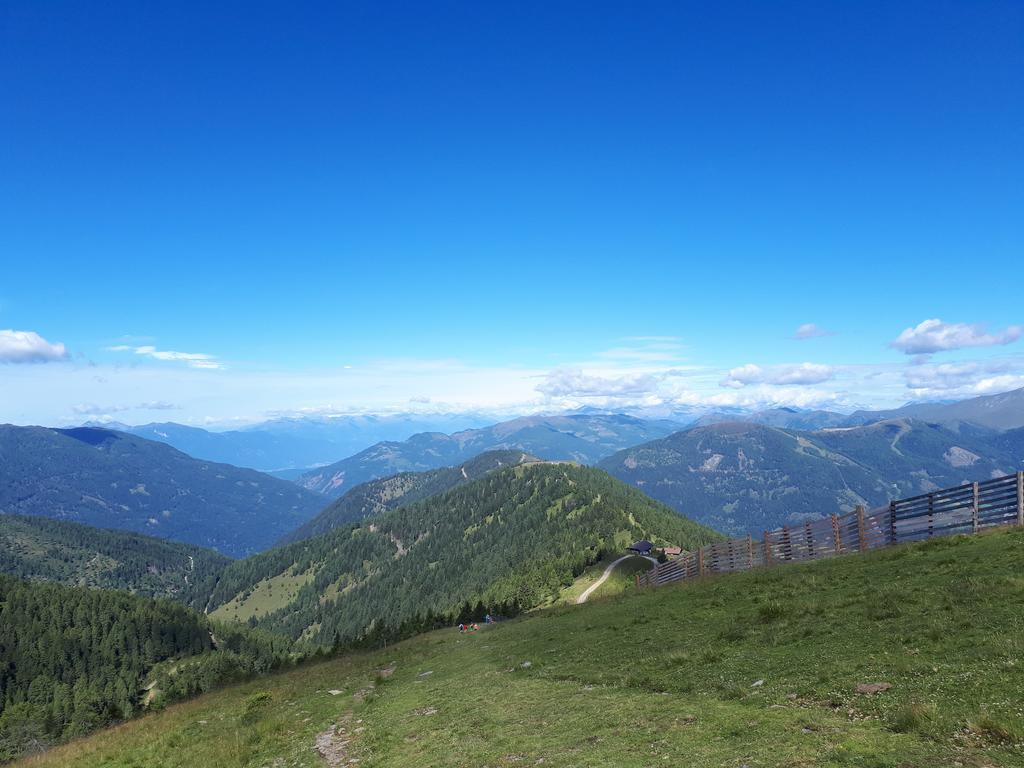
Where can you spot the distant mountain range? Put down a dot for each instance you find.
(998, 412)
(115, 480)
(294, 443)
(42, 549)
(377, 496)
(784, 418)
(741, 477)
(586, 438)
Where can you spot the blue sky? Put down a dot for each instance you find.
(377, 207)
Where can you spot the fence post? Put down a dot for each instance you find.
(931, 515)
(750, 551)
(787, 544)
(1020, 498)
(700, 561)
(974, 509)
(638, 581)
(892, 522)
(767, 550)
(861, 541)
(809, 540)
(837, 541)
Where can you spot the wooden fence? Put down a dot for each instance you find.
(965, 509)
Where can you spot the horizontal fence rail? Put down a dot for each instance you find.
(964, 509)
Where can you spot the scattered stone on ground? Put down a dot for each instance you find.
(526, 665)
(873, 688)
(360, 696)
(425, 711)
(335, 692)
(332, 744)
(427, 673)
(757, 684)
(387, 672)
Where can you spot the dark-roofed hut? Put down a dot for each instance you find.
(642, 547)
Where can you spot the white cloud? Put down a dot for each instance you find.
(936, 336)
(158, 405)
(563, 382)
(29, 347)
(193, 359)
(810, 331)
(977, 377)
(797, 375)
(247, 393)
(644, 349)
(91, 409)
(744, 375)
(769, 396)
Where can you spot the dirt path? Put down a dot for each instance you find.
(604, 577)
(332, 744)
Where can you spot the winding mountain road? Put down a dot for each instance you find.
(604, 577)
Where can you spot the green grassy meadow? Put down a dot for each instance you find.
(753, 669)
(266, 596)
(621, 579)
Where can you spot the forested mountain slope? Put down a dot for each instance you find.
(75, 659)
(743, 477)
(510, 540)
(585, 438)
(114, 480)
(376, 496)
(42, 549)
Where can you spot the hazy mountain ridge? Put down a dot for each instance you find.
(785, 418)
(114, 480)
(294, 443)
(377, 496)
(740, 477)
(585, 438)
(1001, 412)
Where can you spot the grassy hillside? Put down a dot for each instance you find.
(41, 549)
(115, 480)
(742, 477)
(757, 669)
(510, 540)
(376, 496)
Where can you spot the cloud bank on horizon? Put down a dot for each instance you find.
(651, 375)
